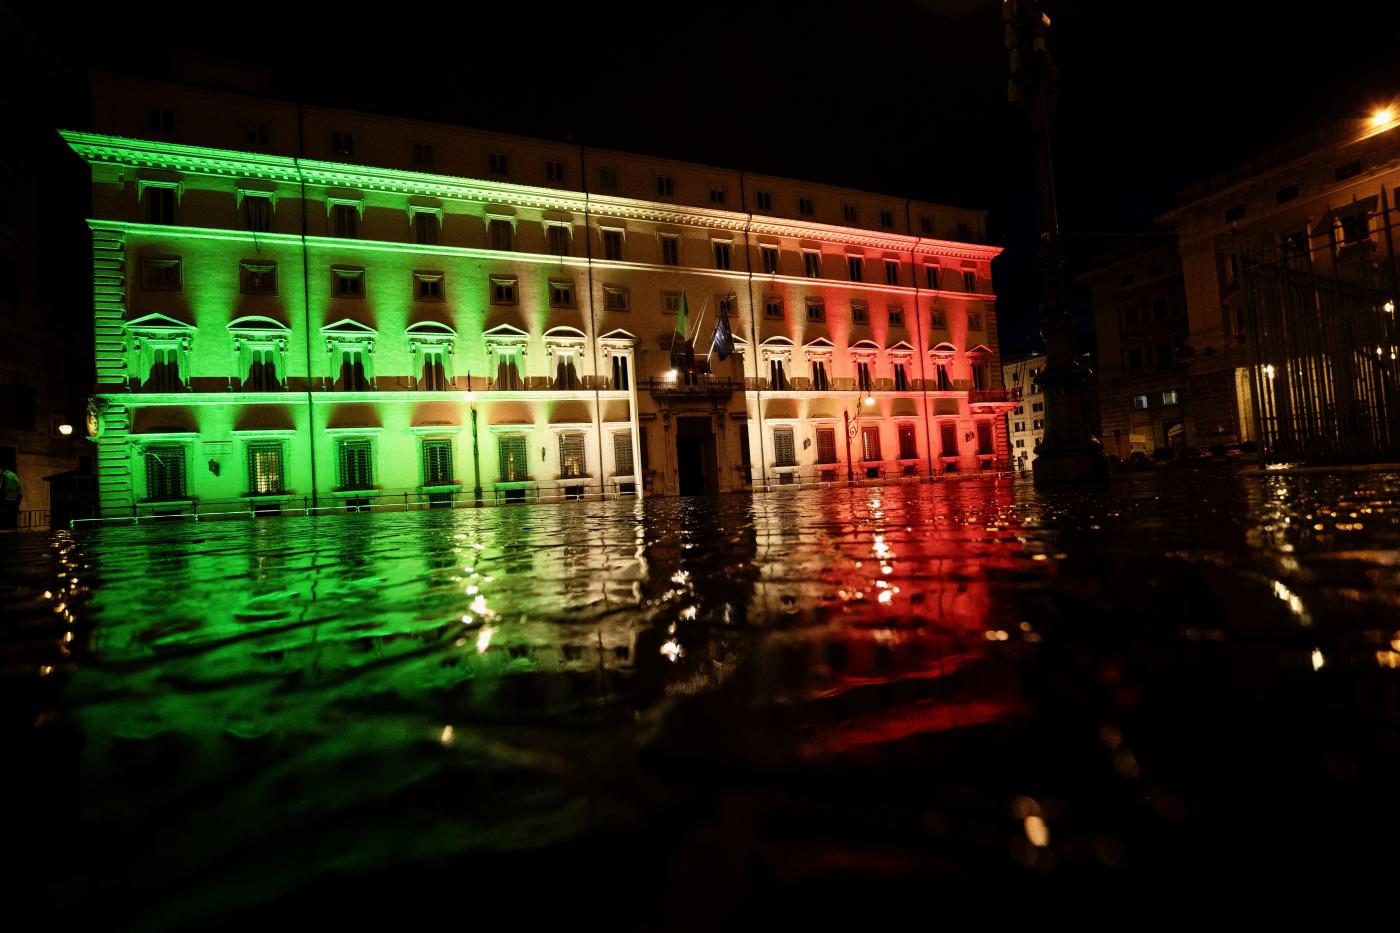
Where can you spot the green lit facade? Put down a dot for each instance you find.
(277, 332)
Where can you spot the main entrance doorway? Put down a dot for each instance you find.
(696, 463)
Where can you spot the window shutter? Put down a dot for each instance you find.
(622, 454)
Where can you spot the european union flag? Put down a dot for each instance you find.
(724, 340)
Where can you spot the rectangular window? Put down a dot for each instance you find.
(165, 373)
(512, 460)
(896, 314)
(561, 294)
(721, 255)
(870, 443)
(161, 274)
(812, 264)
(434, 376)
(984, 438)
(665, 186)
(620, 379)
(820, 382)
(908, 448)
(257, 277)
(160, 204)
(348, 283)
(773, 309)
(615, 298)
(891, 272)
(501, 234)
(502, 291)
(554, 171)
(805, 207)
(423, 155)
(901, 377)
(717, 195)
(671, 302)
(265, 473)
(571, 457)
(784, 450)
(860, 313)
(931, 277)
(850, 214)
(777, 376)
(826, 445)
(1169, 397)
(607, 179)
(262, 371)
(557, 239)
(855, 265)
(342, 144)
(1140, 402)
(768, 255)
(346, 219)
(622, 454)
(425, 228)
(765, 200)
(160, 120)
(886, 219)
(352, 376)
(498, 164)
(428, 286)
(437, 462)
(671, 250)
(816, 312)
(612, 244)
(969, 281)
(864, 379)
(356, 470)
(1040, 406)
(948, 439)
(508, 370)
(974, 320)
(1038, 424)
(165, 473)
(257, 213)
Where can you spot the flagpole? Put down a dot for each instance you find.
(696, 336)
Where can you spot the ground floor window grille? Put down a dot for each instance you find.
(356, 471)
(513, 466)
(826, 445)
(908, 450)
(571, 456)
(437, 462)
(622, 454)
(784, 451)
(265, 472)
(165, 473)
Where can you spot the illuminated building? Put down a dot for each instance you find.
(1290, 267)
(411, 313)
(1028, 417)
(1140, 326)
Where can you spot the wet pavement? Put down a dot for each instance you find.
(691, 712)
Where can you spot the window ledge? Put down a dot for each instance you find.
(354, 493)
(454, 486)
(269, 496)
(188, 503)
(785, 468)
(516, 484)
(580, 477)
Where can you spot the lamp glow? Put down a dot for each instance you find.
(869, 400)
(1382, 117)
(65, 429)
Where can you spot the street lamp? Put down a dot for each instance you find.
(476, 449)
(852, 426)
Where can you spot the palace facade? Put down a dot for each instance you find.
(301, 307)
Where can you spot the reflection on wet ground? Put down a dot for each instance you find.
(689, 712)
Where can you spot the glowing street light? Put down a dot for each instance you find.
(65, 429)
(869, 400)
(1382, 116)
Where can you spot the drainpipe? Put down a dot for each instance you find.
(753, 338)
(592, 320)
(306, 303)
(919, 331)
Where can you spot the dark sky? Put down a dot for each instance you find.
(904, 97)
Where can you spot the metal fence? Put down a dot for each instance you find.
(1320, 325)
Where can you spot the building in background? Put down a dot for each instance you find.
(1027, 418)
(1140, 327)
(421, 314)
(1290, 275)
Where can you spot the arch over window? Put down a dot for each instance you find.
(259, 353)
(158, 352)
(350, 347)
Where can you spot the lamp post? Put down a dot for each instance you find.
(476, 450)
(852, 426)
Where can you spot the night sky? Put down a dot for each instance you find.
(907, 98)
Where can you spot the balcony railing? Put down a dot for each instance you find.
(993, 395)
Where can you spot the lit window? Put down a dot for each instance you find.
(1169, 397)
(514, 467)
(870, 443)
(572, 462)
(1140, 402)
(265, 473)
